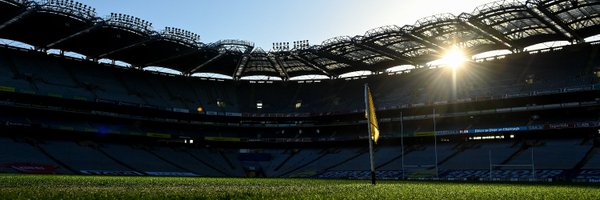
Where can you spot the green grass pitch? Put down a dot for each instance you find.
(105, 187)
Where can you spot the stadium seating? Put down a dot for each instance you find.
(139, 159)
(527, 115)
(23, 156)
(79, 157)
(304, 157)
(553, 154)
(56, 76)
(181, 157)
(477, 156)
(553, 158)
(518, 75)
(220, 159)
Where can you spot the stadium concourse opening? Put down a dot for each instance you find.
(525, 115)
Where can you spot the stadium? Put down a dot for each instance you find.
(519, 115)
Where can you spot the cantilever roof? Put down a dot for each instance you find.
(509, 24)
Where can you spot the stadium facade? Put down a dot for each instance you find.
(521, 116)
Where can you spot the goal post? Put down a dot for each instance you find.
(530, 165)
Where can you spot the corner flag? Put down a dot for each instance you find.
(371, 118)
(373, 129)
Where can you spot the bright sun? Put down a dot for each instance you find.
(454, 58)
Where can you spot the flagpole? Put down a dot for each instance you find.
(532, 164)
(437, 171)
(371, 154)
(402, 141)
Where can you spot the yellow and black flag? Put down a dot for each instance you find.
(370, 115)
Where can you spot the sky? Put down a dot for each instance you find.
(266, 21)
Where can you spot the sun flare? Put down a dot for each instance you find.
(454, 58)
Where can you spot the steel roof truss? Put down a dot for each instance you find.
(424, 42)
(17, 18)
(370, 45)
(492, 32)
(195, 69)
(276, 63)
(311, 64)
(126, 47)
(548, 22)
(84, 31)
(338, 58)
(187, 53)
(240, 66)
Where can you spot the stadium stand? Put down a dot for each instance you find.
(109, 84)
(83, 158)
(25, 156)
(527, 115)
(138, 158)
(180, 157)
